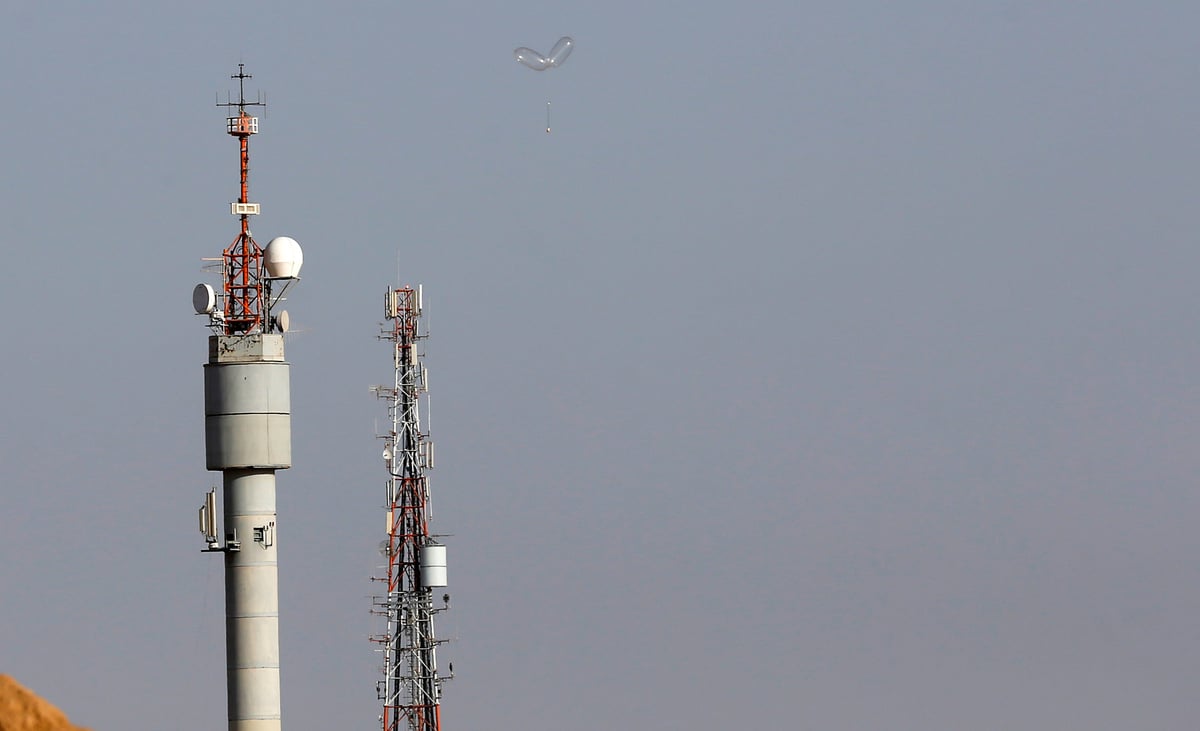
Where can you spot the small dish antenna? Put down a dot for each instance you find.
(204, 299)
(284, 321)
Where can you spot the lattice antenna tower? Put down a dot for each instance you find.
(411, 686)
(246, 291)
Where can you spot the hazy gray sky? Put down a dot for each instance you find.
(830, 366)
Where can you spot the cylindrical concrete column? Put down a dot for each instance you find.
(247, 408)
(252, 602)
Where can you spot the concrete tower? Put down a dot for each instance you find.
(247, 430)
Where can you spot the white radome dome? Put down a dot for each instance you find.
(283, 258)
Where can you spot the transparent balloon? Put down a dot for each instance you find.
(536, 61)
(532, 59)
(561, 50)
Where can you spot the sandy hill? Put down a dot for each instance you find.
(22, 710)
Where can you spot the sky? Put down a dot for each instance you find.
(829, 365)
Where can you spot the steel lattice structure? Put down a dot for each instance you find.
(411, 687)
(245, 288)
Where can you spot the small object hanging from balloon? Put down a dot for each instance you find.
(532, 59)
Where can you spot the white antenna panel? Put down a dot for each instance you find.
(244, 209)
(210, 502)
(242, 125)
(208, 516)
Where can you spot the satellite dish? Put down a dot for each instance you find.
(204, 299)
(387, 454)
(283, 258)
(284, 321)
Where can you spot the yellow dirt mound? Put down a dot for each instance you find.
(21, 710)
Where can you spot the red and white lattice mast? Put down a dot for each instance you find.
(416, 562)
(244, 287)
